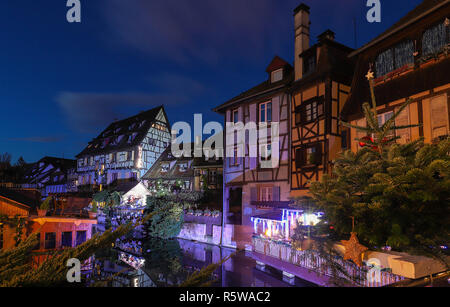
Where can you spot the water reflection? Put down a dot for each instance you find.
(165, 263)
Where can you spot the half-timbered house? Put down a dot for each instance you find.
(185, 173)
(51, 175)
(410, 60)
(323, 75)
(250, 187)
(125, 150)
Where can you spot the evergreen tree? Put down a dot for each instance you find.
(398, 194)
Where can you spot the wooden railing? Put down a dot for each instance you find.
(311, 260)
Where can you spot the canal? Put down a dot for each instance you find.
(160, 263)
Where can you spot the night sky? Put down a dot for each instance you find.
(61, 84)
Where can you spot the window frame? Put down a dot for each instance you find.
(301, 111)
(301, 156)
(47, 241)
(266, 112)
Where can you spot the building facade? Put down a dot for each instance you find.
(125, 150)
(57, 230)
(51, 175)
(410, 61)
(323, 75)
(185, 173)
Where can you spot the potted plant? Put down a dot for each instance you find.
(93, 211)
(44, 207)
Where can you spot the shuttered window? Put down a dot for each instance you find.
(439, 117)
(403, 120)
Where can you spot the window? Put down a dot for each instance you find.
(403, 120)
(383, 119)
(235, 116)
(384, 63)
(265, 194)
(265, 112)
(310, 155)
(435, 39)
(404, 54)
(165, 167)
(183, 167)
(234, 160)
(66, 239)
(266, 152)
(277, 75)
(81, 237)
(50, 240)
(309, 111)
(212, 177)
(309, 64)
(130, 156)
(439, 117)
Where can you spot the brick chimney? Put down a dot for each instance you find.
(301, 23)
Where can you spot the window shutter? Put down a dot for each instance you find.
(403, 120)
(439, 116)
(253, 194)
(276, 193)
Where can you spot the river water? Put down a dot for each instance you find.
(169, 263)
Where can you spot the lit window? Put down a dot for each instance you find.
(266, 152)
(266, 194)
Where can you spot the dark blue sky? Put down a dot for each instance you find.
(61, 83)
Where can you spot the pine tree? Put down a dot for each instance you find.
(398, 194)
(379, 136)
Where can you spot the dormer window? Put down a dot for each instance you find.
(183, 167)
(276, 75)
(165, 168)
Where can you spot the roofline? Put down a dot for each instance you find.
(19, 204)
(392, 32)
(232, 102)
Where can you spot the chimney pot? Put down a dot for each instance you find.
(328, 34)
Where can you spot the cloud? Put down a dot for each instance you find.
(202, 30)
(39, 139)
(89, 112)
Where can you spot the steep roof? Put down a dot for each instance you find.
(124, 134)
(20, 199)
(173, 173)
(52, 167)
(418, 12)
(265, 88)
